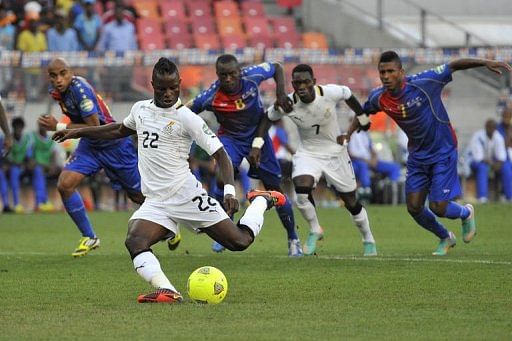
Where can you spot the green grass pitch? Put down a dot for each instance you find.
(404, 293)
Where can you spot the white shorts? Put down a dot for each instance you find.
(191, 206)
(337, 169)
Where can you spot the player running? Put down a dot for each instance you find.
(322, 151)
(165, 130)
(79, 101)
(236, 102)
(414, 103)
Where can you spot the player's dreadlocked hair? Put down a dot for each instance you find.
(303, 68)
(226, 58)
(165, 66)
(390, 56)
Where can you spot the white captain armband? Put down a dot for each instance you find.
(258, 142)
(229, 189)
(363, 119)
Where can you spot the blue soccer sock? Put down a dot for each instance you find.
(428, 221)
(3, 189)
(285, 213)
(14, 182)
(456, 211)
(39, 184)
(75, 207)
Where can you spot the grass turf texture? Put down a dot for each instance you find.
(404, 293)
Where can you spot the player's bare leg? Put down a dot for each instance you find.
(142, 234)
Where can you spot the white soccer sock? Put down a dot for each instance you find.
(148, 267)
(362, 223)
(308, 212)
(253, 216)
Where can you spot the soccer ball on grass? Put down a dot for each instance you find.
(207, 284)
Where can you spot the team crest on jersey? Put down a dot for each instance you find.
(86, 105)
(169, 127)
(265, 66)
(439, 69)
(207, 130)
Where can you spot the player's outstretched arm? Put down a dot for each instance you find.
(105, 132)
(228, 178)
(362, 118)
(282, 98)
(469, 63)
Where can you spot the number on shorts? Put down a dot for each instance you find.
(201, 205)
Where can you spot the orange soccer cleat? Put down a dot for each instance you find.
(161, 296)
(274, 198)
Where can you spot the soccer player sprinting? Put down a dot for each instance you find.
(414, 103)
(165, 130)
(237, 104)
(319, 153)
(79, 101)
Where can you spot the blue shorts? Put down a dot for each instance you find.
(119, 162)
(440, 179)
(269, 171)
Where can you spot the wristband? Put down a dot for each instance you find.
(229, 189)
(363, 119)
(60, 126)
(258, 142)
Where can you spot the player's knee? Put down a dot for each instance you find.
(414, 209)
(65, 186)
(438, 208)
(136, 243)
(304, 197)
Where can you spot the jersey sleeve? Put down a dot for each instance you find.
(199, 131)
(86, 99)
(260, 72)
(441, 74)
(371, 106)
(202, 101)
(129, 121)
(337, 92)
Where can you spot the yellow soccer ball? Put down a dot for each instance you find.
(207, 285)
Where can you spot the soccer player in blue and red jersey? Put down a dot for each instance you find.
(79, 101)
(414, 103)
(235, 100)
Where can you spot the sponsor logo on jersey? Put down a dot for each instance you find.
(265, 66)
(439, 69)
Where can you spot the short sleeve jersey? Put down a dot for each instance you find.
(238, 114)
(80, 101)
(419, 111)
(165, 136)
(317, 121)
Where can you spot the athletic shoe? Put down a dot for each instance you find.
(313, 237)
(445, 244)
(46, 207)
(19, 209)
(274, 198)
(174, 242)
(370, 249)
(469, 225)
(161, 296)
(7, 209)
(217, 247)
(86, 244)
(294, 248)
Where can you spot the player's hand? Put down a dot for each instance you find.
(66, 134)
(231, 204)
(497, 67)
(49, 122)
(285, 103)
(343, 139)
(254, 157)
(7, 145)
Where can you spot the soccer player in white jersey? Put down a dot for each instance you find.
(322, 151)
(166, 129)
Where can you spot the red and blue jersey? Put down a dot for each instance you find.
(419, 111)
(79, 101)
(238, 114)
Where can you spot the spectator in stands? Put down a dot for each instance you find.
(365, 159)
(61, 37)
(129, 13)
(88, 27)
(487, 154)
(505, 129)
(20, 152)
(7, 30)
(118, 35)
(32, 39)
